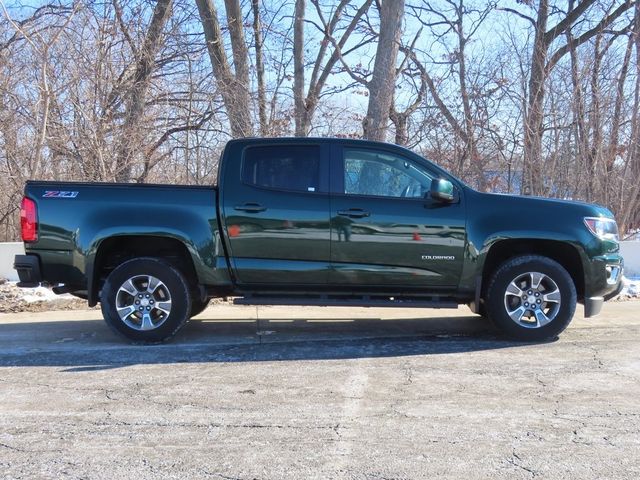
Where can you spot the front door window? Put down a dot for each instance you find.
(380, 174)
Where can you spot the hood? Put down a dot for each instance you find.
(523, 201)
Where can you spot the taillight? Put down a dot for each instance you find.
(29, 220)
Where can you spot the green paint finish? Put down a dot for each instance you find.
(492, 218)
(316, 235)
(101, 211)
(399, 242)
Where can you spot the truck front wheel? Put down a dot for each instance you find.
(146, 300)
(531, 298)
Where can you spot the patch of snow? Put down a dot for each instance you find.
(39, 294)
(630, 288)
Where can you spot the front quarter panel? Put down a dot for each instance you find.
(493, 218)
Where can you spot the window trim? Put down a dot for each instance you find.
(323, 187)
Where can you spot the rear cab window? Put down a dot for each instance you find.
(283, 167)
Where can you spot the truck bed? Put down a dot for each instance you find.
(74, 218)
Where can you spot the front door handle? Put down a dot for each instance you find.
(354, 213)
(250, 208)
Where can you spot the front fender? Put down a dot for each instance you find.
(479, 246)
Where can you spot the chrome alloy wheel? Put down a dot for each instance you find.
(143, 302)
(532, 300)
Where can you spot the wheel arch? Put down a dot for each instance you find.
(564, 253)
(112, 251)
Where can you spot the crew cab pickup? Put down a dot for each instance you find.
(311, 221)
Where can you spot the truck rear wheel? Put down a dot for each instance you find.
(531, 298)
(146, 300)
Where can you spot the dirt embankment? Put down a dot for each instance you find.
(41, 299)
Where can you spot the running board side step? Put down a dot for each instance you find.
(351, 301)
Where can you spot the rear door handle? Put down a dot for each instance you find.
(250, 208)
(354, 213)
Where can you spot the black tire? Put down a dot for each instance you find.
(171, 293)
(532, 325)
(198, 306)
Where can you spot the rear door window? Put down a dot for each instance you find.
(283, 167)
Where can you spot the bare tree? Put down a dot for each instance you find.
(233, 87)
(43, 47)
(332, 40)
(411, 67)
(542, 62)
(258, 41)
(454, 25)
(383, 78)
(132, 88)
(131, 138)
(298, 67)
(628, 211)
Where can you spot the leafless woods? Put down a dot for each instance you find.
(535, 97)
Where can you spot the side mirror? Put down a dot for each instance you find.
(442, 190)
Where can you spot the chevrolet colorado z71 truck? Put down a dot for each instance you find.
(318, 222)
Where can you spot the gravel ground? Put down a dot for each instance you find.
(320, 393)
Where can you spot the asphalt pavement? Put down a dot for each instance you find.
(320, 393)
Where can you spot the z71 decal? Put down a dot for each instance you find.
(59, 194)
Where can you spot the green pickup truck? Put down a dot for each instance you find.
(318, 222)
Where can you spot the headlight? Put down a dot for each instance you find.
(604, 228)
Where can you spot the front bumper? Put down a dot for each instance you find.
(28, 268)
(603, 282)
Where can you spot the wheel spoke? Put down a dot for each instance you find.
(125, 312)
(164, 306)
(517, 314)
(541, 317)
(552, 297)
(147, 323)
(153, 284)
(129, 288)
(536, 278)
(513, 289)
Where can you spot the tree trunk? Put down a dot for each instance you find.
(471, 148)
(399, 120)
(132, 135)
(577, 104)
(595, 149)
(532, 182)
(383, 79)
(240, 55)
(628, 217)
(298, 69)
(234, 94)
(614, 136)
(262, 96)
(238, 43)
